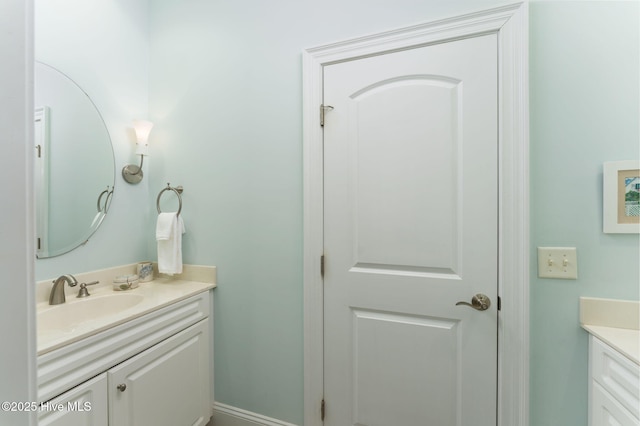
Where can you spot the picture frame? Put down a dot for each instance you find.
(621, 197)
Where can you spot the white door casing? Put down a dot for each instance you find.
(509, 24)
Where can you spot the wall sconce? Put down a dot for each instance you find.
(132, 173)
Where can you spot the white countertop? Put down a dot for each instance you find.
(156, 294)
(615, 322)
(624, 340)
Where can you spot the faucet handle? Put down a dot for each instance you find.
(83, 292)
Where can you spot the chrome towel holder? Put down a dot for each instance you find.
(178, 190)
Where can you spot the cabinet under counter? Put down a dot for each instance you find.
(614, 360)
(135, 364)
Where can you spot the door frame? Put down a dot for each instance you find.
(510, 23)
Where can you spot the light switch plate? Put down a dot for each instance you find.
(558, 262)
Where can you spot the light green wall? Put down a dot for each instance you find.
(226, 93)
(584, 90)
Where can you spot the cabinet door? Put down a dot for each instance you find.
(84, 405)
(166, 385)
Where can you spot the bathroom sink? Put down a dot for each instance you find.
(68, 316)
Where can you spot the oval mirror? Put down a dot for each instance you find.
(74, 166)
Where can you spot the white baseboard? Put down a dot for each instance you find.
(227, 415)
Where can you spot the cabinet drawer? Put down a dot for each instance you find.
(605, 411)
(619, 376)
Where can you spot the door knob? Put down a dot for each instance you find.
(480, 302)
(121, 387)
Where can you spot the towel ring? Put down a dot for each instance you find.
(177, 190)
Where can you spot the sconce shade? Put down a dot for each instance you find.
(142, 129)
(132, 173)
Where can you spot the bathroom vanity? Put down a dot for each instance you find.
(144, 358)
(614, 361)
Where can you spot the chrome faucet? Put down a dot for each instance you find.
(57, 291)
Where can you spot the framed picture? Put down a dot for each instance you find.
(621, 197)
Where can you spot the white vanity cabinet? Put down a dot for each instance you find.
(614, 387)
(154, 370)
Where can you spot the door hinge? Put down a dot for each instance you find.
(39, 148)
(39, 246)
(323, 109)
(322, 410)
(322, 265)
(499, 303)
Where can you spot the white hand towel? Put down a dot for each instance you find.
(170, 249)
(164, 225)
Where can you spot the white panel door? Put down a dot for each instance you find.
(410, 229)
